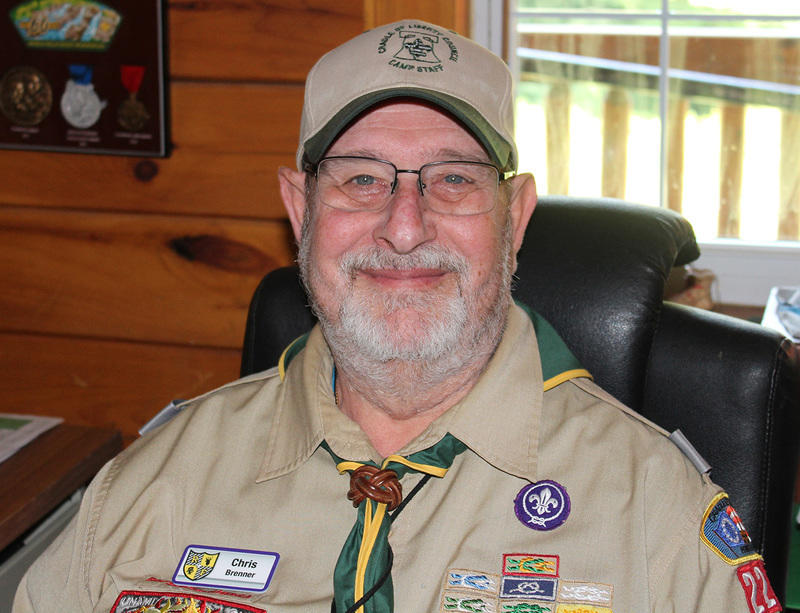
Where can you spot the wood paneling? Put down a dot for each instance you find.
(125, 280)
(107, 383)
(135, 277)
(229, 141)
(452, 14)
(230, 117)
(265, 40)
(191, 182)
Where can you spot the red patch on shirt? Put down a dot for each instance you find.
(177, 602)
(757, 589)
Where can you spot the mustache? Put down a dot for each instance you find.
(435, 257)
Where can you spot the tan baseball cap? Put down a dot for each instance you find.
(410, 59)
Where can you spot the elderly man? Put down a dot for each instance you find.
(487, 471)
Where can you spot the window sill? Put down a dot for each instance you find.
(747, 271)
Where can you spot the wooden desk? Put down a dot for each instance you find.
(44, 473)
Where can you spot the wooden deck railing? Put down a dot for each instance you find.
(773, 60)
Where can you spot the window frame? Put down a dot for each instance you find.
(745, 270)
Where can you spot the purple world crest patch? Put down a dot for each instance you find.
(543, 505)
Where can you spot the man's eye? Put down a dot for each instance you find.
(453, 179)
(364, 180)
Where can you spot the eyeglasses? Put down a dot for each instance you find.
(353, 183)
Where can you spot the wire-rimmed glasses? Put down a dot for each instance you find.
(354, 183)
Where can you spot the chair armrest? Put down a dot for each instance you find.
(751, 411)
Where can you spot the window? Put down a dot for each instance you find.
(692, 105)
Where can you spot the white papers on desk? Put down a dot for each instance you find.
(16, 431)
(782, 312)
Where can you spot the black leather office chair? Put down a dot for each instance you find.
(596, 269)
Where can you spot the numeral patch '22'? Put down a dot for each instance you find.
(760, 597)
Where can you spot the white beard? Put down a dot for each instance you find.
(367, 319)
(446, 335)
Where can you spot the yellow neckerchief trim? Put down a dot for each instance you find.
(372, 524)
(436, 471)
(714, 548)
(373, 521)
(282, 359)
(565, 376)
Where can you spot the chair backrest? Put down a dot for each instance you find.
(596, 269)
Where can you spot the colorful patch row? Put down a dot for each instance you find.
(455, 602)
(520, 587)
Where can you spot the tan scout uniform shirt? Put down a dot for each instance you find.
(242, 467)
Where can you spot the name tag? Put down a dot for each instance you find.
(239, 569)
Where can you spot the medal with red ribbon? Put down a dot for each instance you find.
(132, 114)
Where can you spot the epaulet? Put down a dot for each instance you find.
(176, 406)
(558, 362)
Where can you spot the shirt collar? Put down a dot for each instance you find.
(499, 419)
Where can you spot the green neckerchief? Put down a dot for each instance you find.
(368, 540)
(364, 565)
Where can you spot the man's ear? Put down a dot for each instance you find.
(292, 184)
(522, 204)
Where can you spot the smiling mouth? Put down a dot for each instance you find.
(424, 268)
(392, 277)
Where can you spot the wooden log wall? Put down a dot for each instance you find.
(125, 282)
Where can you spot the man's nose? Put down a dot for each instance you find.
(406, 224)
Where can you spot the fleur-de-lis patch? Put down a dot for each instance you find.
(543, 505)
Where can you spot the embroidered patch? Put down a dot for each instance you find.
(175, 602)
(760, 596)
(238, 569)
(581, 608)
(529, 588)
(530, 564)
(724, 533)
(543, 505)
(585, 592)
(526, 606)
(459, 602)
(473, 581)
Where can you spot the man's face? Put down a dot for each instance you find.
(406, 282)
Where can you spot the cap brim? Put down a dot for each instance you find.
(498, 149)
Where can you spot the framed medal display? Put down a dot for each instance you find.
(84, 76)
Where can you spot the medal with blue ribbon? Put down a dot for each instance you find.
(80, 105)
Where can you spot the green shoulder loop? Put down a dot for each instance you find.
(558, 362)
(295, 347)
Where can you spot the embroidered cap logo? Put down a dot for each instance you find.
(418, 48)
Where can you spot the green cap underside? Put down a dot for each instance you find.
(500, 152)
